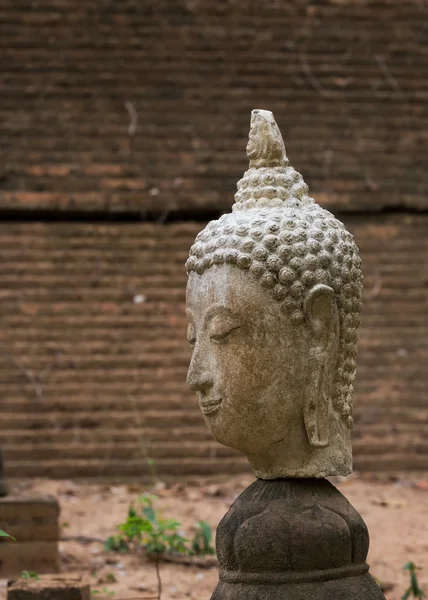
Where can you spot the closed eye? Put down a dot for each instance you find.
(221, 336)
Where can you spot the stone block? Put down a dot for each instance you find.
(21, 507)
(50, 587)
(33, 521)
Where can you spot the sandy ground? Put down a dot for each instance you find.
(396, 513)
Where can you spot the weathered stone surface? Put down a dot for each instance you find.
(38, 556)
(33, 521)
(273, 300)
(293, 539)
(50, 587)
(28, 507)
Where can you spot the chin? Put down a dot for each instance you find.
(231, 439)
(221, 432)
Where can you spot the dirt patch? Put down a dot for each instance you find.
(396, 513)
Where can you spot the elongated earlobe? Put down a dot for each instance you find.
(323, 320)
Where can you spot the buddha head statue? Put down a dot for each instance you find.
(273, 302)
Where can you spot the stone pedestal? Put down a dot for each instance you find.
(293, 539)
(34, 524)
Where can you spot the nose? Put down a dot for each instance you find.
(199, 378)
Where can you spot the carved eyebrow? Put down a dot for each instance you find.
(217, 309)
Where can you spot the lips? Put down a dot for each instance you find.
(209, 406)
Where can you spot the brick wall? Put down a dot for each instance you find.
(94, 351)
(347, 81)
(116, 115)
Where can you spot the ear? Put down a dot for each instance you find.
(322, 318)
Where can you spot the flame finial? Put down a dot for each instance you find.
(265, 146)
(270, 181)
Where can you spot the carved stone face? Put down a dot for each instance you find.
(248, 362)
(273, 298)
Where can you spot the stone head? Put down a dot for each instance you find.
(273, 299)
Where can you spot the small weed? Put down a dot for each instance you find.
(116, 543)
(414, 589)
(103, 592)
(201, 543)
(30, 575)
(144, 528)
(6, 535)
(111, 577)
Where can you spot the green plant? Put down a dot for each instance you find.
(414, 589)
(4, 534)
(145, 528)
(116, 543)
(201, 543)
(30, 575)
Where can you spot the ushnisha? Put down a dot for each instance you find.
(274, 297)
